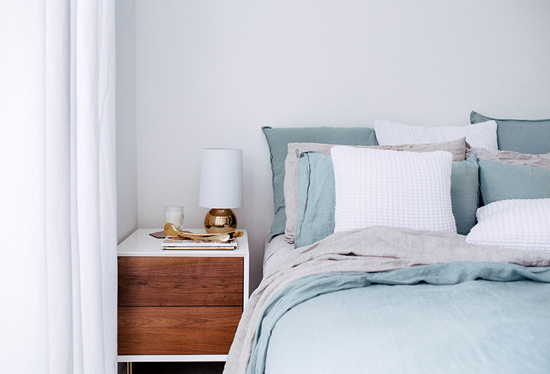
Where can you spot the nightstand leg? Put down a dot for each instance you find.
(129, 367)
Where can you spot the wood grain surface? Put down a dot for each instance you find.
(176, 330)
(180, 281)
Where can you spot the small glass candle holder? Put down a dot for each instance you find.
(174, 215)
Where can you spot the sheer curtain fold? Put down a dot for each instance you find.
(57, 144)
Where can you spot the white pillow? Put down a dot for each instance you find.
(390, 188)
(519, 224)
(480, 135)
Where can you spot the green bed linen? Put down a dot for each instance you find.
(459, 317)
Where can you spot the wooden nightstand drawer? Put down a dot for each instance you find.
(176, 330)
(178, 305)
(180, 281)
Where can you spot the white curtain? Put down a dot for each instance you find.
(58, 194)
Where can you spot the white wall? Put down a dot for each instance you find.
(211, 73)
(127, 202)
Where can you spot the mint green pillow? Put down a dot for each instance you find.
(503, 181)
(523, 136)
(465, 193)
(278, 139)
(317, 196)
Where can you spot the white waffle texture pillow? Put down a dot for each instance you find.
(518, 223)
(390, 188)
(481, 135)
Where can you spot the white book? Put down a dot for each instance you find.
(175, 241)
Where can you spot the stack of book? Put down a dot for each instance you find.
(175, 242)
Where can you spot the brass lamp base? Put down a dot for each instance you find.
(220, 220)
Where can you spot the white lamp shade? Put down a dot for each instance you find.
(221, 178)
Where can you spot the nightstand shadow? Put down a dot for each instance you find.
(178, 367)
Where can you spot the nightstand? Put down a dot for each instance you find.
(178, 305)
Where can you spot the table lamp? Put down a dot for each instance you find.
(221, 187)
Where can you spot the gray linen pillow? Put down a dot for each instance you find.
(511, 157)
(456, 147)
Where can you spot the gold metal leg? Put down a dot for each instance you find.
(129, 367)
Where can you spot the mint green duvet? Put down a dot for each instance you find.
(461, 317)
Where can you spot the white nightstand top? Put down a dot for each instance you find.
(140, 243)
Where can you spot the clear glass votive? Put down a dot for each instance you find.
(174, 215)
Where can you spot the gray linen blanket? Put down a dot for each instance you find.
(371, 249)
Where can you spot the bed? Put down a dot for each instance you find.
(403, 249)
